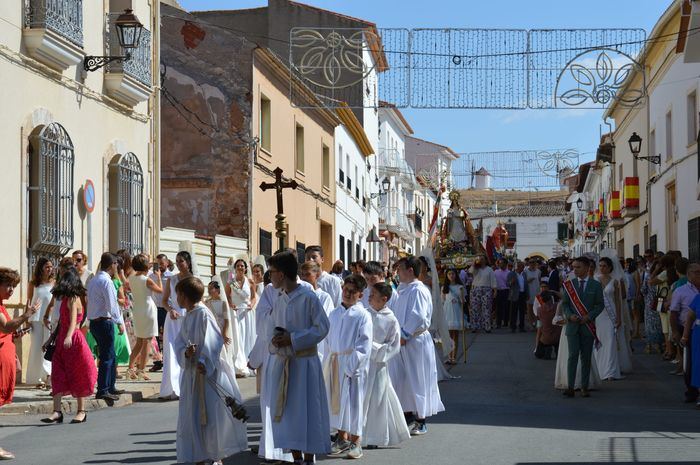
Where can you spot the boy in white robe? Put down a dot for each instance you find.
(309, 272)
(385, 424)
(298, 404)
(348, 347)
(206, 428)
(373, 273)
(329, 283)
(414, 373)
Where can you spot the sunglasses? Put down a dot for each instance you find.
(78, 260)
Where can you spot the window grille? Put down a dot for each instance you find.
(694, 239)
(341, 248)
(301, 249)
(126, 204)
(51, 159)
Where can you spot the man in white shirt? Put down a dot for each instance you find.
(329, 283)
(103, 313)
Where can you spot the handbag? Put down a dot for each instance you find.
(50, 344)
(660, 299)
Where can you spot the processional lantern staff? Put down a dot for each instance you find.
(280, 219)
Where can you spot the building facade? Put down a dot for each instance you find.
(82, 146)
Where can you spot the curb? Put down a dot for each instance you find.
(69, 404)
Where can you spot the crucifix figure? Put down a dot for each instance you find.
(280, 223)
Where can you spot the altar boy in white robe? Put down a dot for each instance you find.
(330, 284)
(414, 373)
(206, 428)
(385, 424)
(345, 368)
(373, 274)
(309, 272)
(300, 409)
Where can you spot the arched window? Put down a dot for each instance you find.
(126, 219)
(51, 160)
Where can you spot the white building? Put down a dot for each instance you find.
(398, 202)
(531, 228)
(432, 163)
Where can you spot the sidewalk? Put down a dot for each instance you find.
(28, 400)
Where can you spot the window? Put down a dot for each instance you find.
(635, 251)
(299, 148)
(341, 248)
(357, 251)
(349, 242)
(652, 243)
(265, 243)
(669, 136)
(326, 162)
(301, 249)
(512, 229)
(126, 218)
(341, 173)
(364, 255)
(694, 239)
(51, 158)
(692, 118)
(265, 123)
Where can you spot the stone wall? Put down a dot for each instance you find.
(206, 125)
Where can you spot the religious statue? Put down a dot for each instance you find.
(500, 237)
(458, 241)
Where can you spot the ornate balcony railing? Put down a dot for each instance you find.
(392, 163)
(396, 221)
(64, 17)
(139, 65)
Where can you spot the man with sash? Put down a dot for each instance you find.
(582, 303)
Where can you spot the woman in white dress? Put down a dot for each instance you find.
(624, 332)
(222, 314)
(560, 375)
(258, 278)
(170, 384)
(453, 296)
(144, 313)
(240, 291)
(608, 323)
(38, 369)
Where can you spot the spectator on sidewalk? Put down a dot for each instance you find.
(517, 297)
(683, 332)
(545, 308)
(161, 264)
(103, 313)
(532, 281)
(502, 293)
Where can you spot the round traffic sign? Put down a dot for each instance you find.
(89, 196)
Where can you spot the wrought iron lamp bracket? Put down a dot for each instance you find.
(654, 159)
(93, 63)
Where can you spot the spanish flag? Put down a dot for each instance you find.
(631, 192)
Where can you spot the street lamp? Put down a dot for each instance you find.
(579, 203)
(386, 184)
(129, 30)
(635, 143)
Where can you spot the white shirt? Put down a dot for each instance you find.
(102, 299)
(333, 287)
(158, 296)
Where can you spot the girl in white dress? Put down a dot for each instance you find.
(144, 313)
(258, 278)
(38, 369)
(170, 384)
(608, 323)
(560, 375)
(223, 315)
(453, 296)
(240, 291)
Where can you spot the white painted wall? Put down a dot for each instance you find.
(535, 235)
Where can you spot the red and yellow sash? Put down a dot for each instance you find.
(580, 308)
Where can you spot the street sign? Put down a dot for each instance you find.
(89, 196)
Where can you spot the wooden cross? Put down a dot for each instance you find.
(278, 185)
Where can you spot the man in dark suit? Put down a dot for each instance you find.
(582, 303)
(553, 279)
(517, 297)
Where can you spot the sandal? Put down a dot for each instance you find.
(131, 373)
(142, 376)
(6, 455)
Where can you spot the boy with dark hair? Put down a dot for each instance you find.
(206, 428)
(373, 273)
(329, 283)
(296, 397)
(346, 363)
(384, 421)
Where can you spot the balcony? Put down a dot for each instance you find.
(53, 32)
(128, 81)
(391, 163)
(396, 221)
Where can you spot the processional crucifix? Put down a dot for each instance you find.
(280, 223)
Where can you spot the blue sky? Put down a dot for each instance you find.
(492, 130)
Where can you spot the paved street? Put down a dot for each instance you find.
(500, 410)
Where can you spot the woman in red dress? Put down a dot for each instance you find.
(73, 369)
(8, 280)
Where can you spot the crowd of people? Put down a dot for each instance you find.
(354, 356)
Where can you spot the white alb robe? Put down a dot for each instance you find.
(170, 383)
(304, 423)
(327, 304)
(216, 434)
(414, 372)
(333, 286)
(385, 424)
(349, 342)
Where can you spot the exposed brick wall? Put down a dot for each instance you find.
(206, 122)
